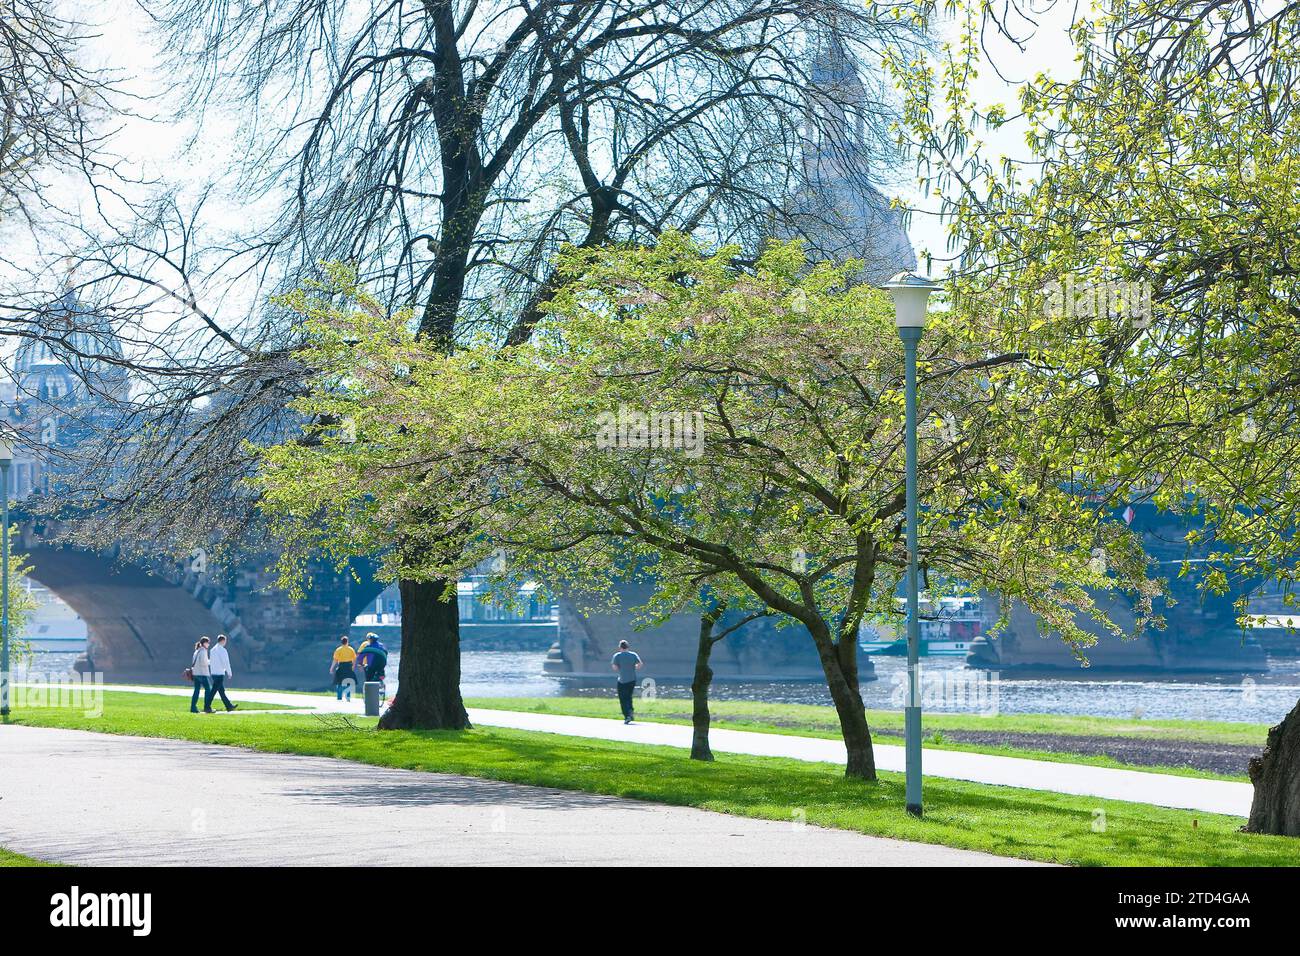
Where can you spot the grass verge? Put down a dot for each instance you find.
(41, 698)
(9, 858)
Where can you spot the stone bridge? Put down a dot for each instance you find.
(1201, 635)
(143, 616)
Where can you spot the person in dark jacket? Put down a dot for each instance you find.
(372, 658)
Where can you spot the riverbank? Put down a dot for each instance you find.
(1008, 821)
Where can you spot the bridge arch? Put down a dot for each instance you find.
(140, 626)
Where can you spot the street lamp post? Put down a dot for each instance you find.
(910, 292)
(6, 460)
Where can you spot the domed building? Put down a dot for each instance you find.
(61, 387)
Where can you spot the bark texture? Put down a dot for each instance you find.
(700, 688)
(428, 692)
(840, 665)
(1276, 776)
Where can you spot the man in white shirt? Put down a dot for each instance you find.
(219, 661)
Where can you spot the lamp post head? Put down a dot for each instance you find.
(6, 449)
(910, 291)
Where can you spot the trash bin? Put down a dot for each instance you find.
(371, 691)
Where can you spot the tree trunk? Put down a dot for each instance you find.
(428, 676)
(850, 710)
(1276, 776)
(700, 688)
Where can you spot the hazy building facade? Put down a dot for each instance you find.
(836, 209)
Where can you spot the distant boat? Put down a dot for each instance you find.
(946, 630)
(530, 617)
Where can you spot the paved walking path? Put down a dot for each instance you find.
(1136, 786)
(74, 796)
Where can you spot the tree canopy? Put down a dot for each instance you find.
(1142, 255)
(680, 415)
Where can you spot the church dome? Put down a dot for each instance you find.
(75, 347)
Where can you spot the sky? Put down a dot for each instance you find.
(157, 145)
(1048, 50)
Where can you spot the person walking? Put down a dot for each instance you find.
(201, 672)
(345, 677)
(625, 663)
(219, 663)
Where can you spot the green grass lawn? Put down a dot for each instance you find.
(8, 858)
(811, 720)
(1003, 820)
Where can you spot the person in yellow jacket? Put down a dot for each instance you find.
(345, 677)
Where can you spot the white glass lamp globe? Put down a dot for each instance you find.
(910, 292)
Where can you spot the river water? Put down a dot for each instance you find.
(947, 686)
